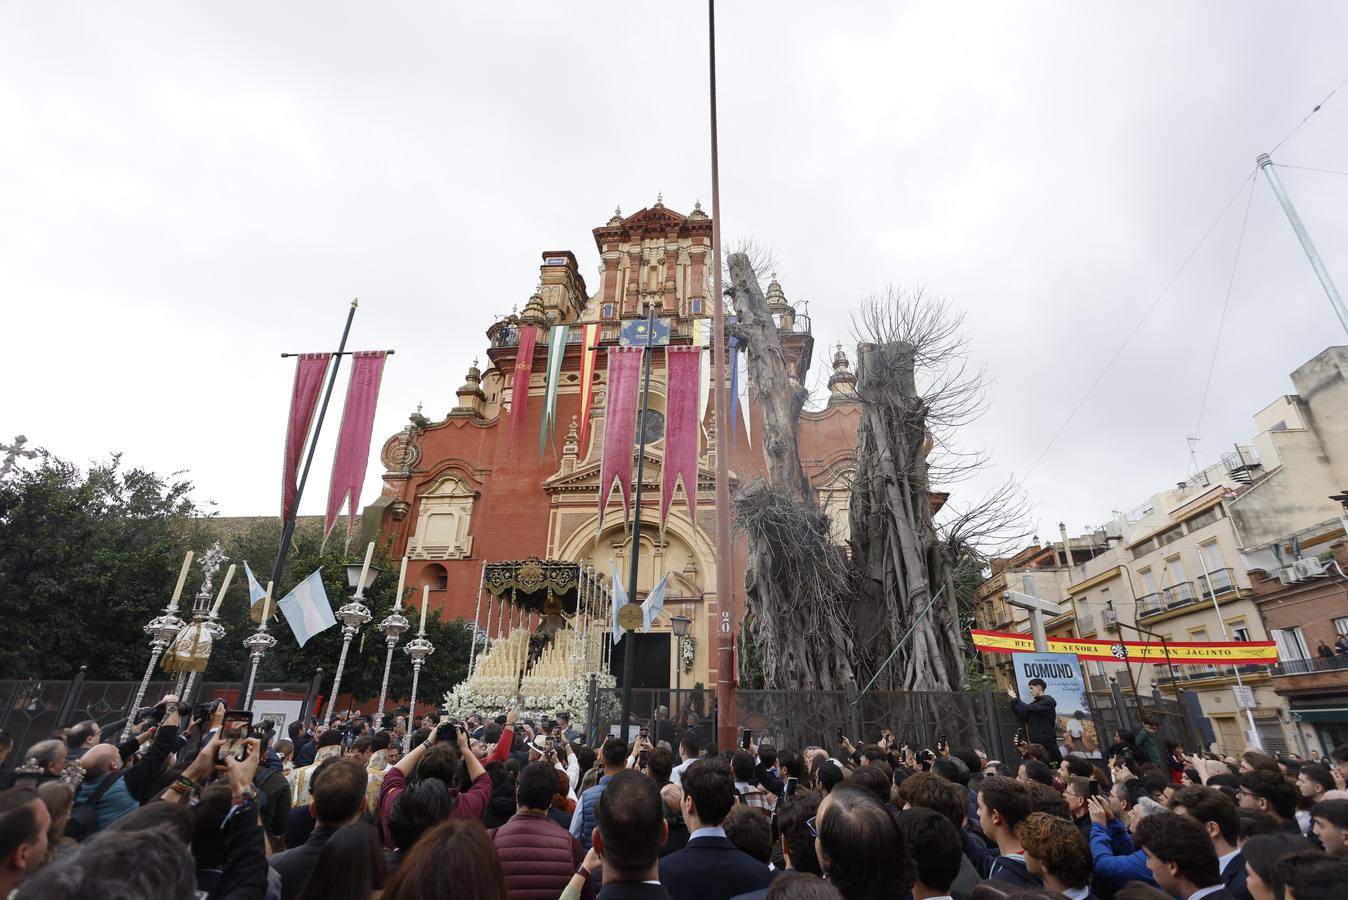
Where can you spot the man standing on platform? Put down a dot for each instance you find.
(1040, 716)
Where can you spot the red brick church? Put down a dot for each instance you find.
(458, 495)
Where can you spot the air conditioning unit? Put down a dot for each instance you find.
(1111, 619)
(1291, 575)
(1308, 568)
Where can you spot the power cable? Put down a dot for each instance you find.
(1307, 117)
(1137, 327)
(1221, 322)
(1311, 169)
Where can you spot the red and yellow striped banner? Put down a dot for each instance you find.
(1181, 652)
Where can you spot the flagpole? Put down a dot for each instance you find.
(725, 602)
(288, 525)
(629, 659)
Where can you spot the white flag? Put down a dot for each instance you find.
(255, 591)
(619, 601)
(655, 601)
(307, 609)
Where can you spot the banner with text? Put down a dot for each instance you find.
(1180, 652)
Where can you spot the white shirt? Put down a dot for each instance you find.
(1203, 892)
(707, 831)
(1078, 893)
(676, 776)
(1225, 859)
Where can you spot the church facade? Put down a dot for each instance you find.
(459, 493)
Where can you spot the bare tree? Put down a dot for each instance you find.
(917, 389)
(796, 577)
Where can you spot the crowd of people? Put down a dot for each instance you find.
(500, 806)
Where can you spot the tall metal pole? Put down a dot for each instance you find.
(288, 526)
(725, 601)
(257, 644)
(1221, 623)
(629, 657)
(1266, 164)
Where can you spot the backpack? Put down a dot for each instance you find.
(84, 817)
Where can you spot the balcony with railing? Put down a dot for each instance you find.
(1187, 672)
(1316, 675)
(1220, 583)
(1150, 604)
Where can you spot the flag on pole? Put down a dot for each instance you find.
(683, 368)
(255, 591)
(700, 335)
(620, 428)
(307, 609)
(309, 371)
(556, 351)
(353, 440)
(524, 372)
(589, 351)
(655, 601)
(619, 601)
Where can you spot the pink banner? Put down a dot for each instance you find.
(683, 368)
(353, 441)
(620, 428)
(524, 373)
(309, 371)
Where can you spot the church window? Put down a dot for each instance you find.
(443, 520)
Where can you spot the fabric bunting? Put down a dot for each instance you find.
(309, 371)
(655, 601)
(701, 331)
(353, 440)
(255, 590)
(524, 373)
(619, 601)
(589, 351)
(620, 428)
(683, 365)
(1181, 652)
(556, 351)
(307, 608)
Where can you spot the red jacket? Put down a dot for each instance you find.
(471, 803)
(538, 856)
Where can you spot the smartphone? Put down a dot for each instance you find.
(744, 738)
(840, 736)
(233, 731)
(941, 743)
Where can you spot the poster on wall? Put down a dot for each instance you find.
(1061, 674)
(280, 712)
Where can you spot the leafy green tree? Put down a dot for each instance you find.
(86, 557)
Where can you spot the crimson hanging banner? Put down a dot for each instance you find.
(589, 350)
(620, 428)
(524, 373)
(1179, 652)
(309, 371)
(683, 367)
(353, 440)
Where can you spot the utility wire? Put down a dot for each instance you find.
(1136, 328)
(1311, 169)
(1221, 322)
(1307, 117)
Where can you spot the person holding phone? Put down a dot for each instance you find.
(1040, 716)
(112, 791)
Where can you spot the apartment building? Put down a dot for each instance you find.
(1198, 562)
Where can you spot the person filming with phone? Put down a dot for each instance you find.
(111, 791)
(1040, 716)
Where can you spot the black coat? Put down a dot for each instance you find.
(1040, 716)
(1234, 877)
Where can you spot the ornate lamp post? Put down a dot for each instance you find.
(679, 625)
(257, 644)
(352, 615)
(418, 649)
(162, 630)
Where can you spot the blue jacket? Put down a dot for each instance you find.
(583, 820)
(1116, 862)
(991, 864)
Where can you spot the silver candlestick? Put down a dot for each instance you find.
(162, 630)
(418, 648)
(352, 615)
(392, 627)
(257, 644)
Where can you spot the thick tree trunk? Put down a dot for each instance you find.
(899, 555)
(796, 579)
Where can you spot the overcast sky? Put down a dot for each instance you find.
(188, 189)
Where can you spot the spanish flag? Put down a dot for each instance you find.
(1180, 652)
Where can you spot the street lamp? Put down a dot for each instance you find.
(353, 578)
(352, 615)
(679, 625)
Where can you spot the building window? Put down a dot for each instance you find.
(1169, 536)
(1206, 517)
(1144, 548)
(1291, 644)
(443, 521)
(436, 576)
(1148, 581)
(1239, 631)
(1212, 555)
(1341, 624)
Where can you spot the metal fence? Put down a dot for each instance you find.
(980, 720)
(31, 711)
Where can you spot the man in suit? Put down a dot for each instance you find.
(627, 839)
(338, 799)
(1181, 857)
(710, 867)
(1040, 716)
(1214, 810)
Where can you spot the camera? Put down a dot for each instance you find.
(447, 731)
